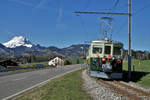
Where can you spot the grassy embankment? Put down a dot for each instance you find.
(77, 61)
(32, 64)
(142, 71)
(73, 61)
(68, 87)
(25, 70)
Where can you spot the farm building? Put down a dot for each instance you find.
(8, 63)
(57, 61)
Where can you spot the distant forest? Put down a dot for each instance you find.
(138, 54)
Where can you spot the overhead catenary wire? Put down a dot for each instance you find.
(115, 4)
(87, 5)
(84, 29)
(88, 2)
(137, 12)
(113, 8)
(83, 25)
(141, 9)
(121, 26)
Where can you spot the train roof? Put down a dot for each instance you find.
(107, 41)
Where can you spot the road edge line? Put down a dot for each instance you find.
(36, 85)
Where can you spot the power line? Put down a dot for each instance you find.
(146, 6)
(122, 26)
(87, 4)
(137, 12)
(83, 25)
(129, 30)
(84, 30)
(115, 4)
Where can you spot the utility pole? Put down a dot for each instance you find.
(129, 38)
(129, 30)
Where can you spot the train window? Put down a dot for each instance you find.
(97, 49)
(117, 51)
(107, 49)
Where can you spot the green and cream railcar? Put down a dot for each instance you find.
(105, 59)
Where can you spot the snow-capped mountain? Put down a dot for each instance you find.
(18, 41)
(21, 46)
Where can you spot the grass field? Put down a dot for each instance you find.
(142, 71)
(32, 64)
(68, 87)
(74, 61)
(27, 68)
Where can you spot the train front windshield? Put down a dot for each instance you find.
(107, 49)
(97, 49)
(117, 51)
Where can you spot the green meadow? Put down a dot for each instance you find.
(140, 71)
(67, 87)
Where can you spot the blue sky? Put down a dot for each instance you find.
(52, 22)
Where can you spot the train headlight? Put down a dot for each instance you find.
(103, 59)
(119, 60)
(113, 58)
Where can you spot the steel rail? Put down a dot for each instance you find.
(120, 91)
(143, 93)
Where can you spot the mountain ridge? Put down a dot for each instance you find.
(20, 49)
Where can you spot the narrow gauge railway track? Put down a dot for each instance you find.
(140, 92)
(125, 90)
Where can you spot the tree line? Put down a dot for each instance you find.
(136, 54)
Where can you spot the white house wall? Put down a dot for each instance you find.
(56, 62)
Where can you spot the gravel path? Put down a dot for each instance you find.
(99, 91)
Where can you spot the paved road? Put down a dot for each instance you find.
(15, 83)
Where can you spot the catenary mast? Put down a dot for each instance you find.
(129, 29)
